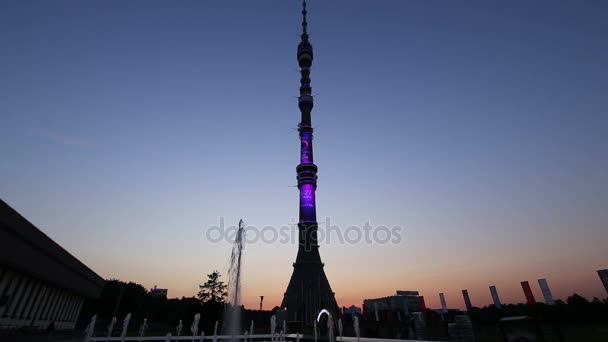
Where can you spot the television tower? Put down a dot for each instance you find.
(308, 291)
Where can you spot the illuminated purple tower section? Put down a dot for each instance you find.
(308, 291)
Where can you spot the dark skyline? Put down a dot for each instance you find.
(481, 129)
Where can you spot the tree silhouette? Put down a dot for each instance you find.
(577, 300)
(213, 290)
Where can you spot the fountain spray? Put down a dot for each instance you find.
(179, 327)
(142, 329)
(234, 281)
(194, 326)
(90, 329)
(284, 329)
(125, 326)
(111, 327)
(273, 326)
(330, 327)
(357, 331)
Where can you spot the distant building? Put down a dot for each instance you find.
(40, 282)
(156, 292)
(351, 312)
(396, 307)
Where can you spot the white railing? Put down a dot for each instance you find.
(268, 337)
(275, 337)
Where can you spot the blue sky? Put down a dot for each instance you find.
(128, 128)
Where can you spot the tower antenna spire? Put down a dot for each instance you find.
(304, 23)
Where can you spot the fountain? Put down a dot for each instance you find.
(179, 327)
(194, 326)
(284, 331)
(168, 338)
(251, 328)
(273, 327)
(340, 328)
(111, 327)
(357, 331)
(233, 314)
(142, 329)
(90, 329)
(125, 326)
(202, 335)
(330, 327)
(215, 332)
(315, 331)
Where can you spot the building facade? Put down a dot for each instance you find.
(397, 307)
(40, 282)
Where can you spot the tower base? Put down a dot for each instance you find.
(308, 293)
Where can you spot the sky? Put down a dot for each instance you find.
(480, 129)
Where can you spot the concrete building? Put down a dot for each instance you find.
(40, 282)
(159, 293)
(396, 307)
